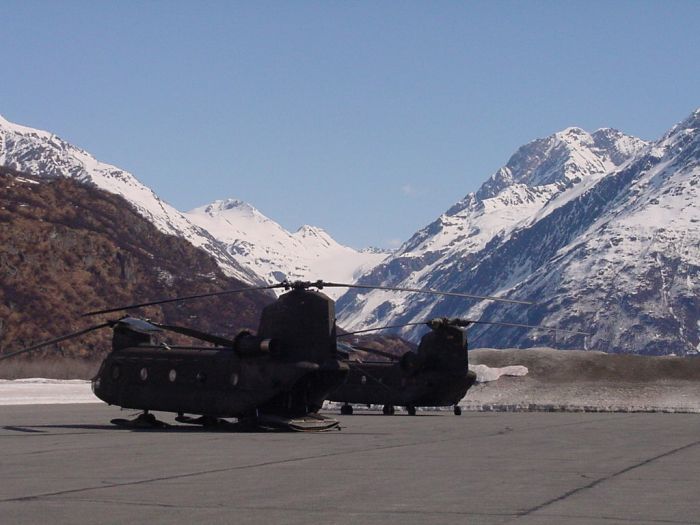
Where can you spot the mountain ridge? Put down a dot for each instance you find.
(519, 253)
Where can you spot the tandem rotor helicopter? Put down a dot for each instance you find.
(436, 375)
(278, 377)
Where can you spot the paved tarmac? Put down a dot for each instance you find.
(67, 464)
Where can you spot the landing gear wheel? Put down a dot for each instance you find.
(458, 410)
(411, 410)
(346, 410)
(388, 410)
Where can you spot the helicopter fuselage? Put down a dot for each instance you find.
(288, 369)
(436, 375)
(212, 381)
(381, 383)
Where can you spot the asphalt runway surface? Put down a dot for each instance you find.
(67, 464)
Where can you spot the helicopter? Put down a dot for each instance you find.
(435, 375)
(277, 378)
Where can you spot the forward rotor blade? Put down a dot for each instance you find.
(138, 325)
(183, 298)
(427, 291)
(57, 340)
(191, 332)
(379, 328)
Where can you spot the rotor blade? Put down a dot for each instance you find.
(215, 339)
(464, 323)
(138, 325)
(378, 352)
(427, 291)
(379, 328)
(518, 325)
(184, 298)
(56, 340)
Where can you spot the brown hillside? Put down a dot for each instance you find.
(68, 248)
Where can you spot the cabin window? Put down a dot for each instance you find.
(143, 374)
(172, 375)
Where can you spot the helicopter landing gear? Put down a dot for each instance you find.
(388, 410)
(346, 409)
(142, 421)
(411, 410)
(307, 423)
(205, 421)
(458, 410)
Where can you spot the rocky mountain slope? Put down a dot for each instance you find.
(600, 229)
(67, 248)
(272, 252)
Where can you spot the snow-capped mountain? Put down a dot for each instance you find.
(601, 229)
(265, 247)
(43, 154)
(246, 244)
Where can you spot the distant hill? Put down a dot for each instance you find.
(67, 248)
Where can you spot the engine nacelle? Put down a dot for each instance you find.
(248, 344)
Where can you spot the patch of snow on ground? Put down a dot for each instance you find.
(39, 391)
(485, 373)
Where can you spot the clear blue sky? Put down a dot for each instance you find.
(368, 119)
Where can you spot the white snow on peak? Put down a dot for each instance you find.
(574, 135)
(23, 130)
(230, 204)
(314, 236)
(310, 231)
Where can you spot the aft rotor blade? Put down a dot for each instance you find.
(56, 340)
(467, 322)
(378, 352)
(520, 325)
(184, 298)
(428, 291)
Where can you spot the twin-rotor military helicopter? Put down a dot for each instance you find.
(280, 376)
